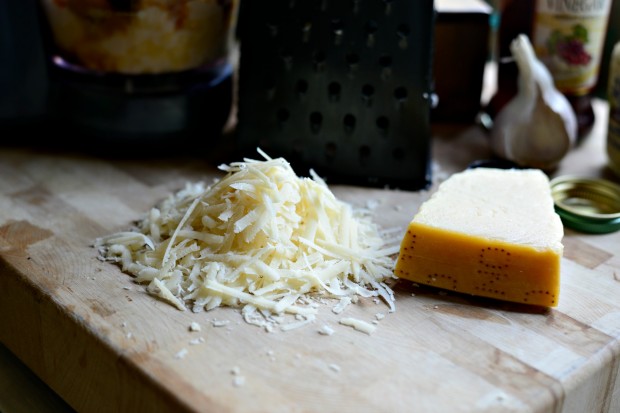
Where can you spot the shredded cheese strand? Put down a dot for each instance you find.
(189, 211)
(260, 238)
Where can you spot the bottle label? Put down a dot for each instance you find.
(613, 96)
(568, 36)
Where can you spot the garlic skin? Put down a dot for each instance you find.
(538, 126)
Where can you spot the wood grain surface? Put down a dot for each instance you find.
(103, 344)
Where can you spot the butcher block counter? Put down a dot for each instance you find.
(102, 343)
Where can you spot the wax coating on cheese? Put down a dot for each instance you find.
(488, 232)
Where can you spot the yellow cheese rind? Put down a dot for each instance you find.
(479, 266)
(487, 232)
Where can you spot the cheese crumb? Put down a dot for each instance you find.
(372, 203)
(304, 321)
(238, 381)
(334, 367)
(342, 304)
(181, 354)
(359, 325)
(326, 330)
(194, 326)
(260, 237)
(220, 323)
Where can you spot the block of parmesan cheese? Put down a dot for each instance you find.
(487, 232)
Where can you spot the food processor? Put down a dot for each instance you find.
(138, 73)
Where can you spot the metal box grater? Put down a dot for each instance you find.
(339, 86)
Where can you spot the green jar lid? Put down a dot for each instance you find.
(587, 204)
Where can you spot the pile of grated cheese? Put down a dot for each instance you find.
(261, 239)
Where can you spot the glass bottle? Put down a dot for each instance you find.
(613, 97)
(515, 18)
(568, 37)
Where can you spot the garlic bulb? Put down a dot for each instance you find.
(538, 126)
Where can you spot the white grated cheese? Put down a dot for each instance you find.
(220, 323)
(342, 304)
(359, 325)
(181, 354)
(158, 288)
(372, 203)
(194, 326)
(304, 321)
(238, 381)
(334, 367)
(260, 238)
(326, 330)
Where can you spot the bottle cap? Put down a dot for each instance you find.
(587, 204)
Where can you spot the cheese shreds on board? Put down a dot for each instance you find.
(359, 325)
(260, 238)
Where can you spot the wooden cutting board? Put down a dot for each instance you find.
(104, 344)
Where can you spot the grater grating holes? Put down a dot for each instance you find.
(402, 32)
(298, 148)
(382, 124)
(398, 154)
(349, 123)
(287, 59)
(370, 28)
(283, 115)
(301, 87)
(364, 152)
(330, 150)
(339, 77)
(333, 91)
(353, 60)
(385, 62)
(318, 59)
(367, 93)
(316, 120)
(388, 7)
(400, 94)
